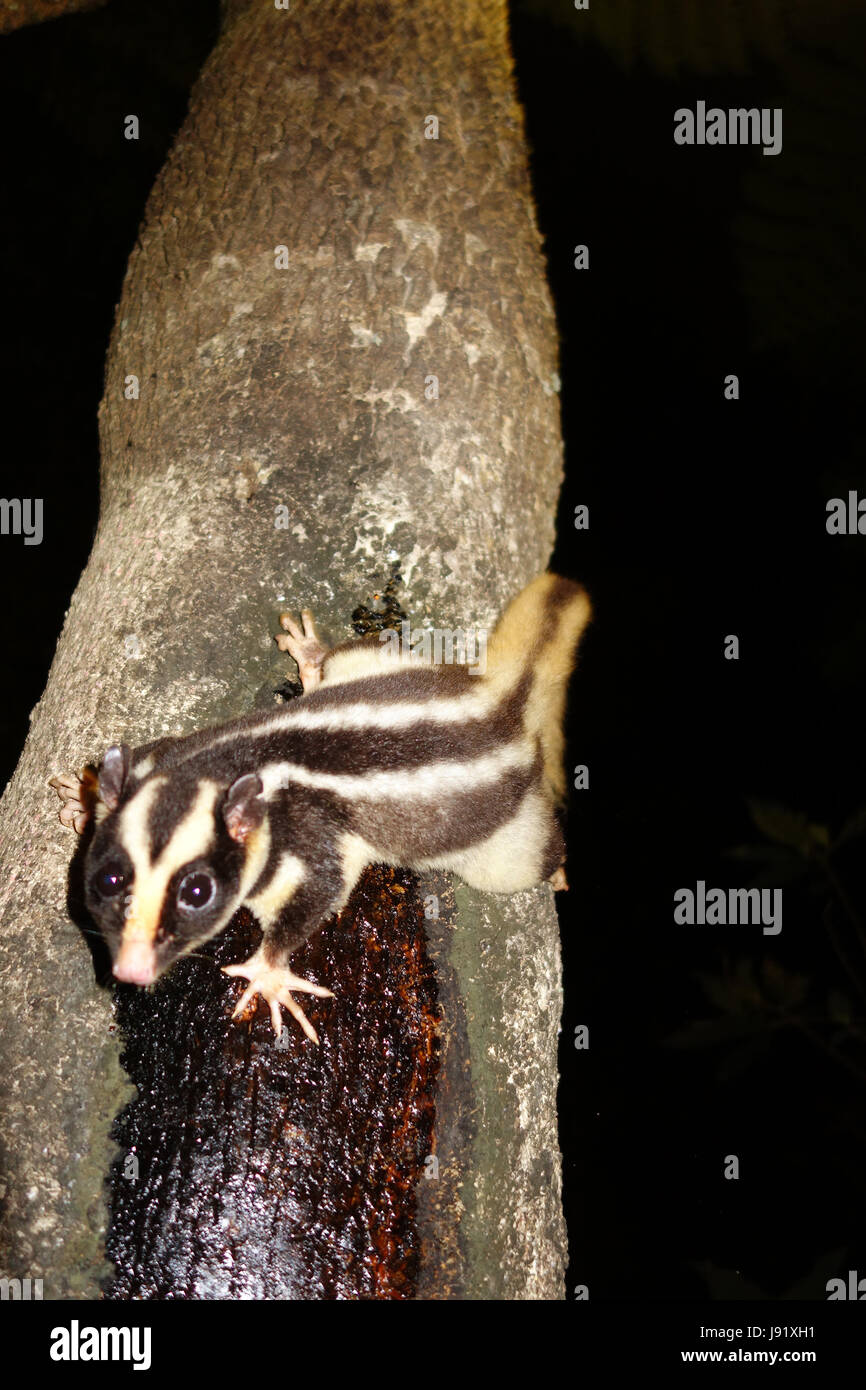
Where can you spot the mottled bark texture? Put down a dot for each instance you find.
(283, 450)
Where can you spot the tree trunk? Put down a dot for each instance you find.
(286, 448)
(17, 14)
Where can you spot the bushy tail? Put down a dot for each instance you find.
(539, 633)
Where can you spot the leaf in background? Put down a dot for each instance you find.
(783, 988)
(780, 864)
(839, 1007)
(711, 1032)
(814, 1284)
(786, 827)
(739, 1059)
(730, 1283)
(735, 989)
(854, 827)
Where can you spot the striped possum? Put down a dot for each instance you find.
(381, 759)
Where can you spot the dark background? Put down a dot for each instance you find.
(707, 518)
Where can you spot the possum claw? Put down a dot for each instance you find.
(304, 644)
(78, 794)
(558, 881)
(273, 983)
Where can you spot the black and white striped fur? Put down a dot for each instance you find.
(381, 760)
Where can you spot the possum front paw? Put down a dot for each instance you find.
(78, 794)
(304, 644)
(273, 983)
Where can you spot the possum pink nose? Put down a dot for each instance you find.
(135, 964)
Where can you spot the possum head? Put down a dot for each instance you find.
(172, 858)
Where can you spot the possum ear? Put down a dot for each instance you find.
(113, 772)
(244, 809)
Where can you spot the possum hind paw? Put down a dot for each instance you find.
(273, 983)
(304, 644)
(78, 795)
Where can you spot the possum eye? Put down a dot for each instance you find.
(196, 890)
(110, 880)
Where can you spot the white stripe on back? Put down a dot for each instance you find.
(427, 781)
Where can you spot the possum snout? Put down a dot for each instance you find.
(136, 963)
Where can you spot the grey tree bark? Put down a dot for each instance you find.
(285, 448)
